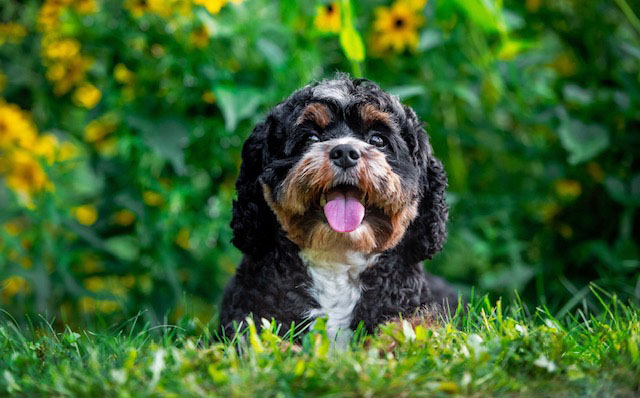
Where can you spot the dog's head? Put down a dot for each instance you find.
(341, 165)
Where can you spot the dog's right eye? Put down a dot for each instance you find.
(311, 139)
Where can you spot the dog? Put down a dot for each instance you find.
(340, 199)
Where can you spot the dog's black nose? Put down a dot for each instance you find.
(344, 156)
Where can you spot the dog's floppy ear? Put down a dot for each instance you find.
(253, 222)
(425, 236)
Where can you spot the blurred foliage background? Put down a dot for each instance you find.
(121, 124)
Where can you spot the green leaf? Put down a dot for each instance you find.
(577, 95)
(407, 91)
(350, 39)
(85, 181)
(237, 103)
(582, 141)
(167, 137)
(509, 49)
(619, 192)
(616, 189)
(487, 14)
(271, 52)
(124, 247)
(352, 44)
(430, 38)
(467, 94)
(289, 10)
(215, 28)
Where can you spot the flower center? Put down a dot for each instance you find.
(330, 9)
(399, 23)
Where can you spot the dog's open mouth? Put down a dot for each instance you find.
(344, 207)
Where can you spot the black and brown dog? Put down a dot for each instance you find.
(340, 199)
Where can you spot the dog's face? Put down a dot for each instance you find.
(344, 178)
(342, 166)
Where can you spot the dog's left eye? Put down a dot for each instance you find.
(311, 139)
(378, 141)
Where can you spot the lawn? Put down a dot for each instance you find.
(492, 350)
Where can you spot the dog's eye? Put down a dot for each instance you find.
(378, 141)
(311, 139)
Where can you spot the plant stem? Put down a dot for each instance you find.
(628, 12)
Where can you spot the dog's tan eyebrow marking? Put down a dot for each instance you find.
(315, 112)
(371, 115)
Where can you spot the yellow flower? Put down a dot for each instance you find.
(46, 146)
(199, 37)
(91, 263)
(136, 7)
(25, 175)
(108, 306)
(209, 97)
(14, 285)
(87, 95)
(11, 32)
(86, 6)
(98, 133)
(548, 211)
(327, 18)
(87, 304)
(396, 27)
(183, 7)
(20, 147)
(67, 73)
(94, 284)
(49, 14)
(85, 214)
(564, 64)
(107, 147)
(48, 17)
(99, 128)
(161, 7)
(127, 281)
(416, 5)
(14, 227)
(16, 127)
(91, 305)
(124, 217)
(122, 74)
(533, 5)
(152, 198)
(61, 49)
(164, 8)
(568, 189)
(66, 152)
(183, 237)
(213, 6)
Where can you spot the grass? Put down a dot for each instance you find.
(489, 351)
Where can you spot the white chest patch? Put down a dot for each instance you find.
(336, 287)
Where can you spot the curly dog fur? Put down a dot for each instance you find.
(296, 266)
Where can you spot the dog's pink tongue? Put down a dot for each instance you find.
(344, 212)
